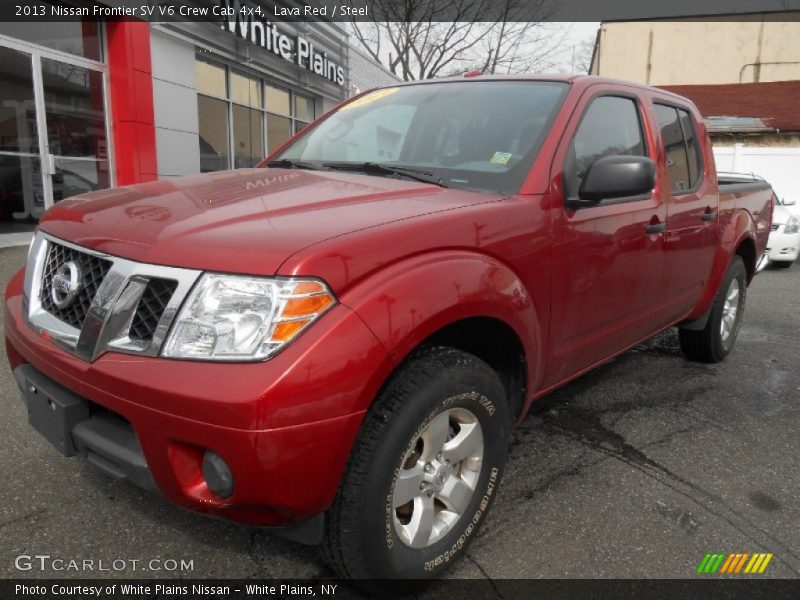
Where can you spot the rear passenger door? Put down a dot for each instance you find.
(691, 210)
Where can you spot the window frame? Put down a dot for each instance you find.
(263, 81)
(701, 166)
(639, 105)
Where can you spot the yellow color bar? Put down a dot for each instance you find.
(764, 564)
(754, 562)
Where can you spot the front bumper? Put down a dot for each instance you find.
(285, 427)
(783, 247)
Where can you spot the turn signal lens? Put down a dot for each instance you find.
(308, 300)
(300, 307)
(309, 287)
(285, 331)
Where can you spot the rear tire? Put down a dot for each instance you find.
(782, 264)
(715, 341)
(409, 503)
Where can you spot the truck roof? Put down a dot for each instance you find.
(582, 81)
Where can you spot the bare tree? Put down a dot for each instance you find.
(581, 56)
(414, 41)
(523, 40)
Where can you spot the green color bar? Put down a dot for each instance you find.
(701, 568)
(718, 564)
(711, 562)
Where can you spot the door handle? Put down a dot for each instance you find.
(656, 228)
(709, 216)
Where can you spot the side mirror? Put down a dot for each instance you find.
(616, 177)
(786, 202)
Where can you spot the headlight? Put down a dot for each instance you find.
(237, 318)
(792, 225)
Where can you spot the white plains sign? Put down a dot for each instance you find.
(247, 23)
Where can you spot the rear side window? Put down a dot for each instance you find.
(681, 147)
(610, 127)
(692, 147)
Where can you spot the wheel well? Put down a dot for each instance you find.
(494, 342)
(747, 250)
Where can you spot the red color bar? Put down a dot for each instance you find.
(131, 91)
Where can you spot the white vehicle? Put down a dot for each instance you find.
(791, 206)
(783, 246)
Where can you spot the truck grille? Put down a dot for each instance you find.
(151, 307)
(92, 272)
(115, 304)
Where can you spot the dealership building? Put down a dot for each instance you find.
(87, 105)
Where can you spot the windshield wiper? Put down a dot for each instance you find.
(384, 169)
(289, 163)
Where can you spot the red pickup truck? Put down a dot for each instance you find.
(338, 342)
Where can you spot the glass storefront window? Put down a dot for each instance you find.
(244, 115)
(53, 130)
(81, 38)
(278, 101)
(245, 90)
(279, 129)
(21, 193)
(75, 111)
(17, 106)
(303, 108)
(73, 177)
(211, 79)
(248, 136)
(213, 116)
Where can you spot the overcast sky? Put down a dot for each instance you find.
(578, 32)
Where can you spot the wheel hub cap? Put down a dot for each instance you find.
(437, 478)
(730, 312)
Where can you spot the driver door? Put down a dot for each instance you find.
(608, 258)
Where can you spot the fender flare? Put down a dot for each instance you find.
(407, 302)
(738, 228)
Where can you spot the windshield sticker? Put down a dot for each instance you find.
(500, 158)
(369, 98)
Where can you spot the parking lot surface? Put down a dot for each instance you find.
(635, 470)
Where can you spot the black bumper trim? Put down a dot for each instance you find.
(110, 443)
(107, 440)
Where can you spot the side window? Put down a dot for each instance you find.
(610, 127)
(675, 149)
(681, 147)
(695, 155)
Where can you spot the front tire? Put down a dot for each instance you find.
(715, 341)
(423, 472)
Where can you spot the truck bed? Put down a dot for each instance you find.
(741, 192)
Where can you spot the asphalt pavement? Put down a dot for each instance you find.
(635, 470)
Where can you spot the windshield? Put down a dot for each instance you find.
(473, 134)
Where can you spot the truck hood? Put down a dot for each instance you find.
(243, 221)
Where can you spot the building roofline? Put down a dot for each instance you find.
(729, 16)
(595, 48)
